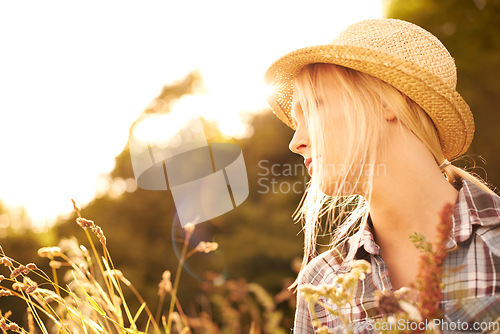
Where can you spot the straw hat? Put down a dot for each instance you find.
(398, 52)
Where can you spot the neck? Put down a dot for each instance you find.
(409, 196)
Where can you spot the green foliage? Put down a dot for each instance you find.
(420, 243)
(470, 29)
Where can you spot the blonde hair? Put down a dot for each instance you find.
(358, 101)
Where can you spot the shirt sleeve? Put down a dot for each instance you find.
(302, 323)
(314, 273)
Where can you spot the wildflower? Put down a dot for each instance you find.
(49, 295)
(86, 223)
(444, 229)
(3, 325)
(189, 228)
(31, 321)
(16, 272)
(401, 292)
(14, 327)
(360, 268)
(165, 285)
(31, 289)
(100, 235)
(411, 310)
(310, 292)
(114, 272)
(323, 330)
(84, 251)
(49, 252)
(206, 247)
(55, 264)
(117, 300)
(6, 261)
(31, 266)
(431, 269)
(387, 303)
(4, 293)
(29, 282)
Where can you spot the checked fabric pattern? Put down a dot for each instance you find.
(472, 286)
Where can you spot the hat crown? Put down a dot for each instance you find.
(402, 55)
(405, 41)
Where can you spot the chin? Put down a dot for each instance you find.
(348, 188)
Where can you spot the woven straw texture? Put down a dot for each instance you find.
(401, 54)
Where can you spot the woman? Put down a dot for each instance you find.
(376, 114)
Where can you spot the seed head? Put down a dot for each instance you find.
(6, 261)
(165, 285)
(100, 235)
(55, 264)
(31, 289)
(115, 273)
(49, 295)
(430, 270)
(189, 228)
(3, 325)
(85, 223)
(206, 247)
(4, 293)
(31, 266)
(28, 281)
(84, 250)
(323, 330)
(16, 272)
(49, 252)
(14, 327)
(387, 303)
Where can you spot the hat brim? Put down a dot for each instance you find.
(444, 105)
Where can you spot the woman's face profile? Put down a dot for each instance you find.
(324, 138)
(300, 142)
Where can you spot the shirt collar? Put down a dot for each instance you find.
(363, 239)
(474, 206)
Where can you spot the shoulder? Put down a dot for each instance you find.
(478, 212)
(323, 268)
(483, 207)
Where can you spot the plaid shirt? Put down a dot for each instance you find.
(471, 292)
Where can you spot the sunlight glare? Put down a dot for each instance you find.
(67, 107)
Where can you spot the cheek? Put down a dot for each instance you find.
(342, 180)
(337, 173)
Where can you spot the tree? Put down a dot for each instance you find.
(257, 240)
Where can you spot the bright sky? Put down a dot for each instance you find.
(75, 75)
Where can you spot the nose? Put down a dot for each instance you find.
(299, 142)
